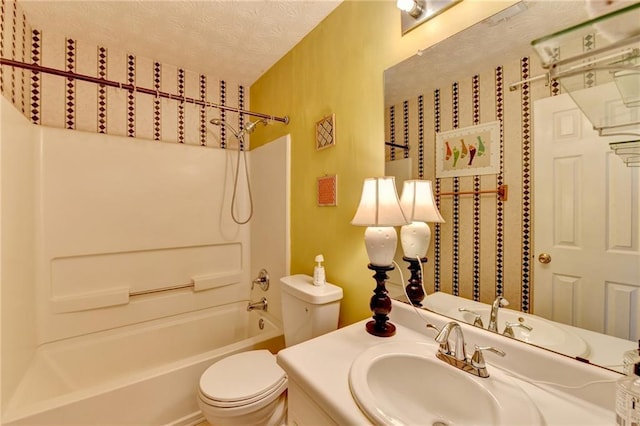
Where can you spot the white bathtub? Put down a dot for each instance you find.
(145, 374)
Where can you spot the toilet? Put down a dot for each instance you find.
(249, 388)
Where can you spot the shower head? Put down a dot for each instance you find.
(249, 127)
(220, 122)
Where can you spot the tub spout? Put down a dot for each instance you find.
(262, 305)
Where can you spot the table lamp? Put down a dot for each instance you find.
(379, 210)
(419, 206)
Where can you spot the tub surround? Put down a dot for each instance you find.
(18, 242)
(91, 223)
(82, 379)
(318, 373)
(117, 217)
(270, 168)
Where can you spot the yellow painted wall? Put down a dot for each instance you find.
(338, 69)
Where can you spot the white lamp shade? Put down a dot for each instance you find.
(380, 211)
(419, 206)
(379, 204)
(418, 202)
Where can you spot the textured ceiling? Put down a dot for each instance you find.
(234, 39)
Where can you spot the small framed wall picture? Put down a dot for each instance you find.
(468, 151)
(326, 132)
(328, 191)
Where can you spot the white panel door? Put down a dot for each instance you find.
(586, 210)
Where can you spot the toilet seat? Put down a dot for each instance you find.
(265, 398)
(242, 379)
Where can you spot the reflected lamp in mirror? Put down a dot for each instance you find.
(379, 210)
(415, 12)
(419, 206)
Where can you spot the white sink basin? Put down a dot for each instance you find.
(403, 383)
(543, 333)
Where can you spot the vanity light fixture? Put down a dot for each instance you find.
(412, 7)
(419, 206)
(379, 210)
(415, 12)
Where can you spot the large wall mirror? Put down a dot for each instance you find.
(490, 242)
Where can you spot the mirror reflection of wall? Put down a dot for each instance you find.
(402, 169)
(485, 248)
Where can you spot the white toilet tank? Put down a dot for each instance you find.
(308, 311)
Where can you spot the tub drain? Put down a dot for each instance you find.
(261, 324)
(440, 424)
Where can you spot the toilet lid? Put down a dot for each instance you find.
(242, 376)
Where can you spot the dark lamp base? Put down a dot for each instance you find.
(387, 329)
(380, 304)
(414, 288)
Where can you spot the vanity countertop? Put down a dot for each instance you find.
(321, 368)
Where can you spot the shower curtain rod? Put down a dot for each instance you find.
(134, 88)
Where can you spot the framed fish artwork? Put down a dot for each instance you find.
(468, 151)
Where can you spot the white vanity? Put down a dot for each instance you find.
(573, 393)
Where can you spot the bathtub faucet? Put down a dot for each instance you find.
(262, 305)
(262, 280)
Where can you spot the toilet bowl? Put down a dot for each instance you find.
(249, 388)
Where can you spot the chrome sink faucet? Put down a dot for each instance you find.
(493, 316)
(458, 356)
(459, 352)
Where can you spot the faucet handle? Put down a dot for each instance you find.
(508, 329)
(429, 325)
(262, 280)
(444, 347)
(477, 360)
(477, 318)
